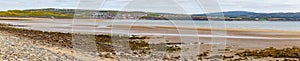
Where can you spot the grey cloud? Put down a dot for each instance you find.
(261, 6)
(29, 4)
(162, 5)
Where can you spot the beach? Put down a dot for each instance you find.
(18, 18)
(22, 44)
(18, 48)
(57, 38)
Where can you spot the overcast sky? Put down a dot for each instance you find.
(170, 6)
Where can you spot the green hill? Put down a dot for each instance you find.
(38, 14)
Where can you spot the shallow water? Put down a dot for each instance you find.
(273, 25)
(84, 26)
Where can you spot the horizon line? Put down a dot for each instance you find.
(152, 12)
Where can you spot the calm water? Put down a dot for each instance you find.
(101, 27)
(273, 25)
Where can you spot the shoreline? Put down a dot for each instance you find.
(208, 29)
(49, 40)
(56, 39)
(50, 37)
(19, 18)
(36, 18)
(205, 32)
(233, 34)
(64, 40)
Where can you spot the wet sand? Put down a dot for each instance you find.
(17, 18)
(236, 38)
(245, 38)
(169, 32)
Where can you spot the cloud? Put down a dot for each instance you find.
(171, 6)
(30, 4)
(191, 6)
(261, 6)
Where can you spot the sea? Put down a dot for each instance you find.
(102, 27)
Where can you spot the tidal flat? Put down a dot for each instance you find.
(141, 46)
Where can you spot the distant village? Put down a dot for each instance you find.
(108, 14)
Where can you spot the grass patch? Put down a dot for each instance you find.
(139, 45)
(173, 49)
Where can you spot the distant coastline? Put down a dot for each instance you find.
(20, 18)
(125, 15)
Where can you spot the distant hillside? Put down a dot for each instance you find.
(72, 11)
(38, 14)
(230, 13)
(234, 15)
(255, 15)
(64, 11)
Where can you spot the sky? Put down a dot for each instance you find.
(164, 6)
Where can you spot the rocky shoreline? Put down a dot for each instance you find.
(61, 45)
(55, 38)
(24, 39)
(26, 44)
(15, 48)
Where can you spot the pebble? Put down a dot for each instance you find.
(14, 50)
(22, 49)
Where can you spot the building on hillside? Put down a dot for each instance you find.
(118, 15)
(64, 11)
(276, 19)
